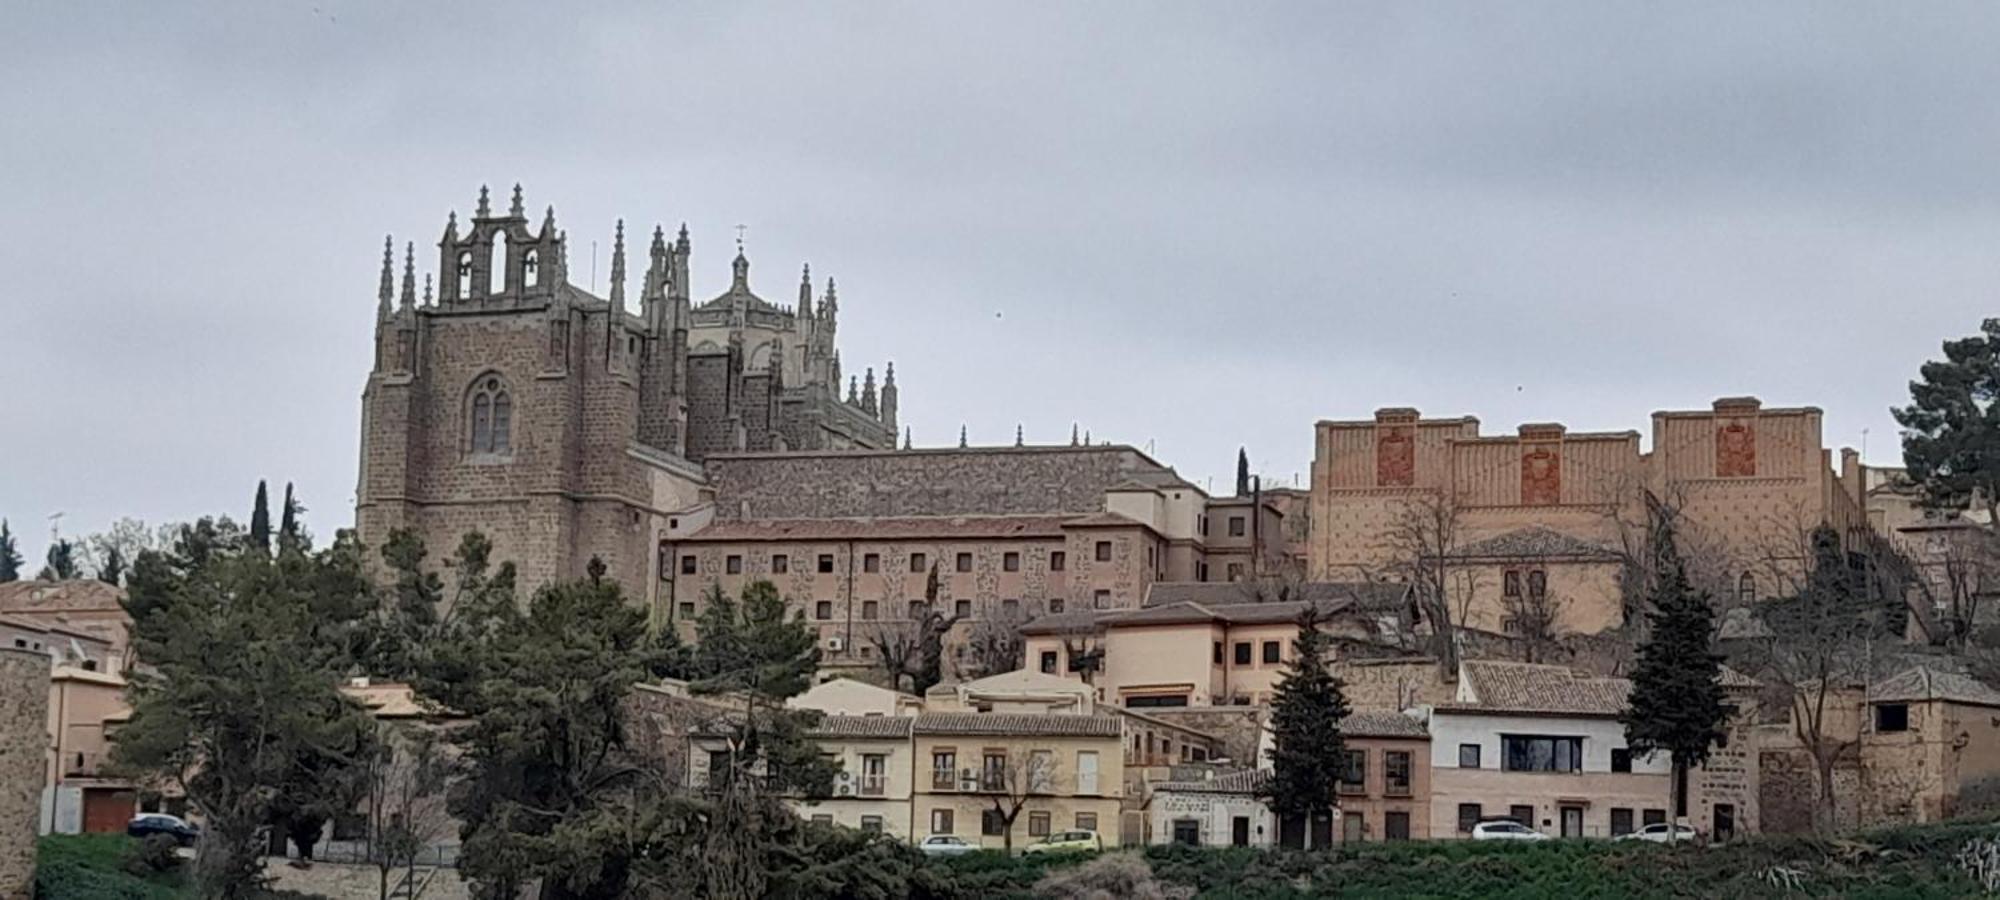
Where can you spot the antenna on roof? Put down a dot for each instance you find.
(55, 525)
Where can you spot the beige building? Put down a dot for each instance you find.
(68, 617)
(1198, 645)
(85, 708)
(1069, 769)
(1385, 790)
(1747, 481)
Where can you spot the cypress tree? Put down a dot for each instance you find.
(1677, 705)
(63, 564)
(288, 519)
(1242, 472)
(10, 555)
(260, 519)
(1306, 709)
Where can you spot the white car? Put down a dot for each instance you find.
(1505, 830)
(945, 845)
(1662, 833)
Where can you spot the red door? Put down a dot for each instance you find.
(107, 811)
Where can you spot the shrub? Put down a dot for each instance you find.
(158, 854)
(1112, 877)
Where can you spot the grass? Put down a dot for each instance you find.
(92, 867)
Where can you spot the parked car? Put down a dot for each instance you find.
(1505, 830)
(1662, 833)
(147, 824)
(945, 845)
(1067, 842)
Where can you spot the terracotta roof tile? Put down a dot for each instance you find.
(885, 727)
(1247, 781)
(1021, 724)
(1382, 723)
(1536, 688)
(1925, 683)
(1179, 603)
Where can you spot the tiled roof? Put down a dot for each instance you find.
(1216, 594)
(1180, 603)
(1066, 622)
(1105, 520)
(1247, 781)
(883, 529)
(1021, 724)
(1925, 683)
(1533, 542)
(886, 727)
(1382, 723)
(1535, 688)
(78, 594)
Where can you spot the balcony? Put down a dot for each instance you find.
(944, 779)
(873, 785)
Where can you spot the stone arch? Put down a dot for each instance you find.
(496, 270)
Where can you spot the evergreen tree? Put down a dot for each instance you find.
(288, 521)
(260, 519)
(1306, 708)
(1242, 472)
(753, 650)
(1677, 705)
(10, 555)
(63, 564)
(236, 697)
(111, 568)
(1951, 429)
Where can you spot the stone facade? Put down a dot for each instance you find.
(24, 698)
(562, 424)
(1747, 482)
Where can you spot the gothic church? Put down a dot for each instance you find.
(566, 426)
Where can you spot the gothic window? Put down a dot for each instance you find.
(492, 417)
(465, 274)
(531, 268)
(1746, 588)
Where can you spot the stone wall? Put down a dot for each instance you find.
(1238, 728)
(950, 482)
(24, 735)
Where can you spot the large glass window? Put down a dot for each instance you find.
(1533, 753)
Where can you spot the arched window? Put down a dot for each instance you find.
(465, 274)
(496, 274)
(492, 416)
(1746, 588)
(531, 266)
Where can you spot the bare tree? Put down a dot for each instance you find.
(1010, 780)
(1423, 544)
(914, 649)
(1534, 615)
(405, 780)
(995, 644)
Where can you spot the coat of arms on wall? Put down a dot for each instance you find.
(1395, 456)
(1541, 477)
(1735, 451)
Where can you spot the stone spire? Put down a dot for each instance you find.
(549, 221)
(805, 309)
(427, 289)
(889, 396)
(1072, 434)
(388, 289)
(409, 299)
(853, 396)
(868, 391)
(484, 209)
(515, 209)
(830, 306)
(1018, 435)
(961, 437)
(618, 269)
(906, 437)
(739, 277)
(1086, 439)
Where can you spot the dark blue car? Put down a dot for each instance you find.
(147, 824)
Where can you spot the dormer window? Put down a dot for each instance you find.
(492, 417)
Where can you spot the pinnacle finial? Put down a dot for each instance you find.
(659, 237)
(906, 437)
(618, 267)
(451, 227)
(427, 288)
(1086, 439)
(388, 288)
(484, 209)
(1017, 435)
(853, 390)
(515, 208)
(961, 437)
(889, 379)
(1072, 434)
(549, 220)
(410, 275)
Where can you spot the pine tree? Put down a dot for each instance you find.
(1242, 472)
(63, 564)
(111, 569)
(1307, 753)
(10, 555)
(260, 519)
(1951, 428)
(1677, 705)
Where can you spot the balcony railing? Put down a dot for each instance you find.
(944, 779)
(874, 785)
(1392, 789)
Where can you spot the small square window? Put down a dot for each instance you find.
(1010, 562)
(1086, 821)
(917, 609)
(916, 562)
(1048, 662)
(871, 562)
(870, 610)
(1103, 551)
(1469, 815)
(992, 823)
(1468, 756)
(1038, 824)
(780, 563)
(1058, 560)
(1621, 821)
(1242, 653)
(1653, 817)
(733, 565)
(1235, 526)
(962, 609)
(871, 824)
(687, 610)
(687, 565)
(1621, 759)
(823, 610)
(1010, 608)
(825, 563)
(1271, 652)
(1056, 604)
(964, 562)
(1100, 599)
(1892, 717)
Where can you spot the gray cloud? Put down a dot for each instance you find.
(1181, 223)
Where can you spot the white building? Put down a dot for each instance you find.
(1220, 811)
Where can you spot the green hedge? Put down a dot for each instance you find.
(91, 867)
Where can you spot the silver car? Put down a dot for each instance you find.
(1505, 830)
(945, 845)
(1662, 833)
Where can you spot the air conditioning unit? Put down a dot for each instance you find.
(968, 781)
(843, 776)
(845, 790)
(834, 644)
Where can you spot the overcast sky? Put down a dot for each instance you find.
(1195, 226)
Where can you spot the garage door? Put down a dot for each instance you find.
(107, 811)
